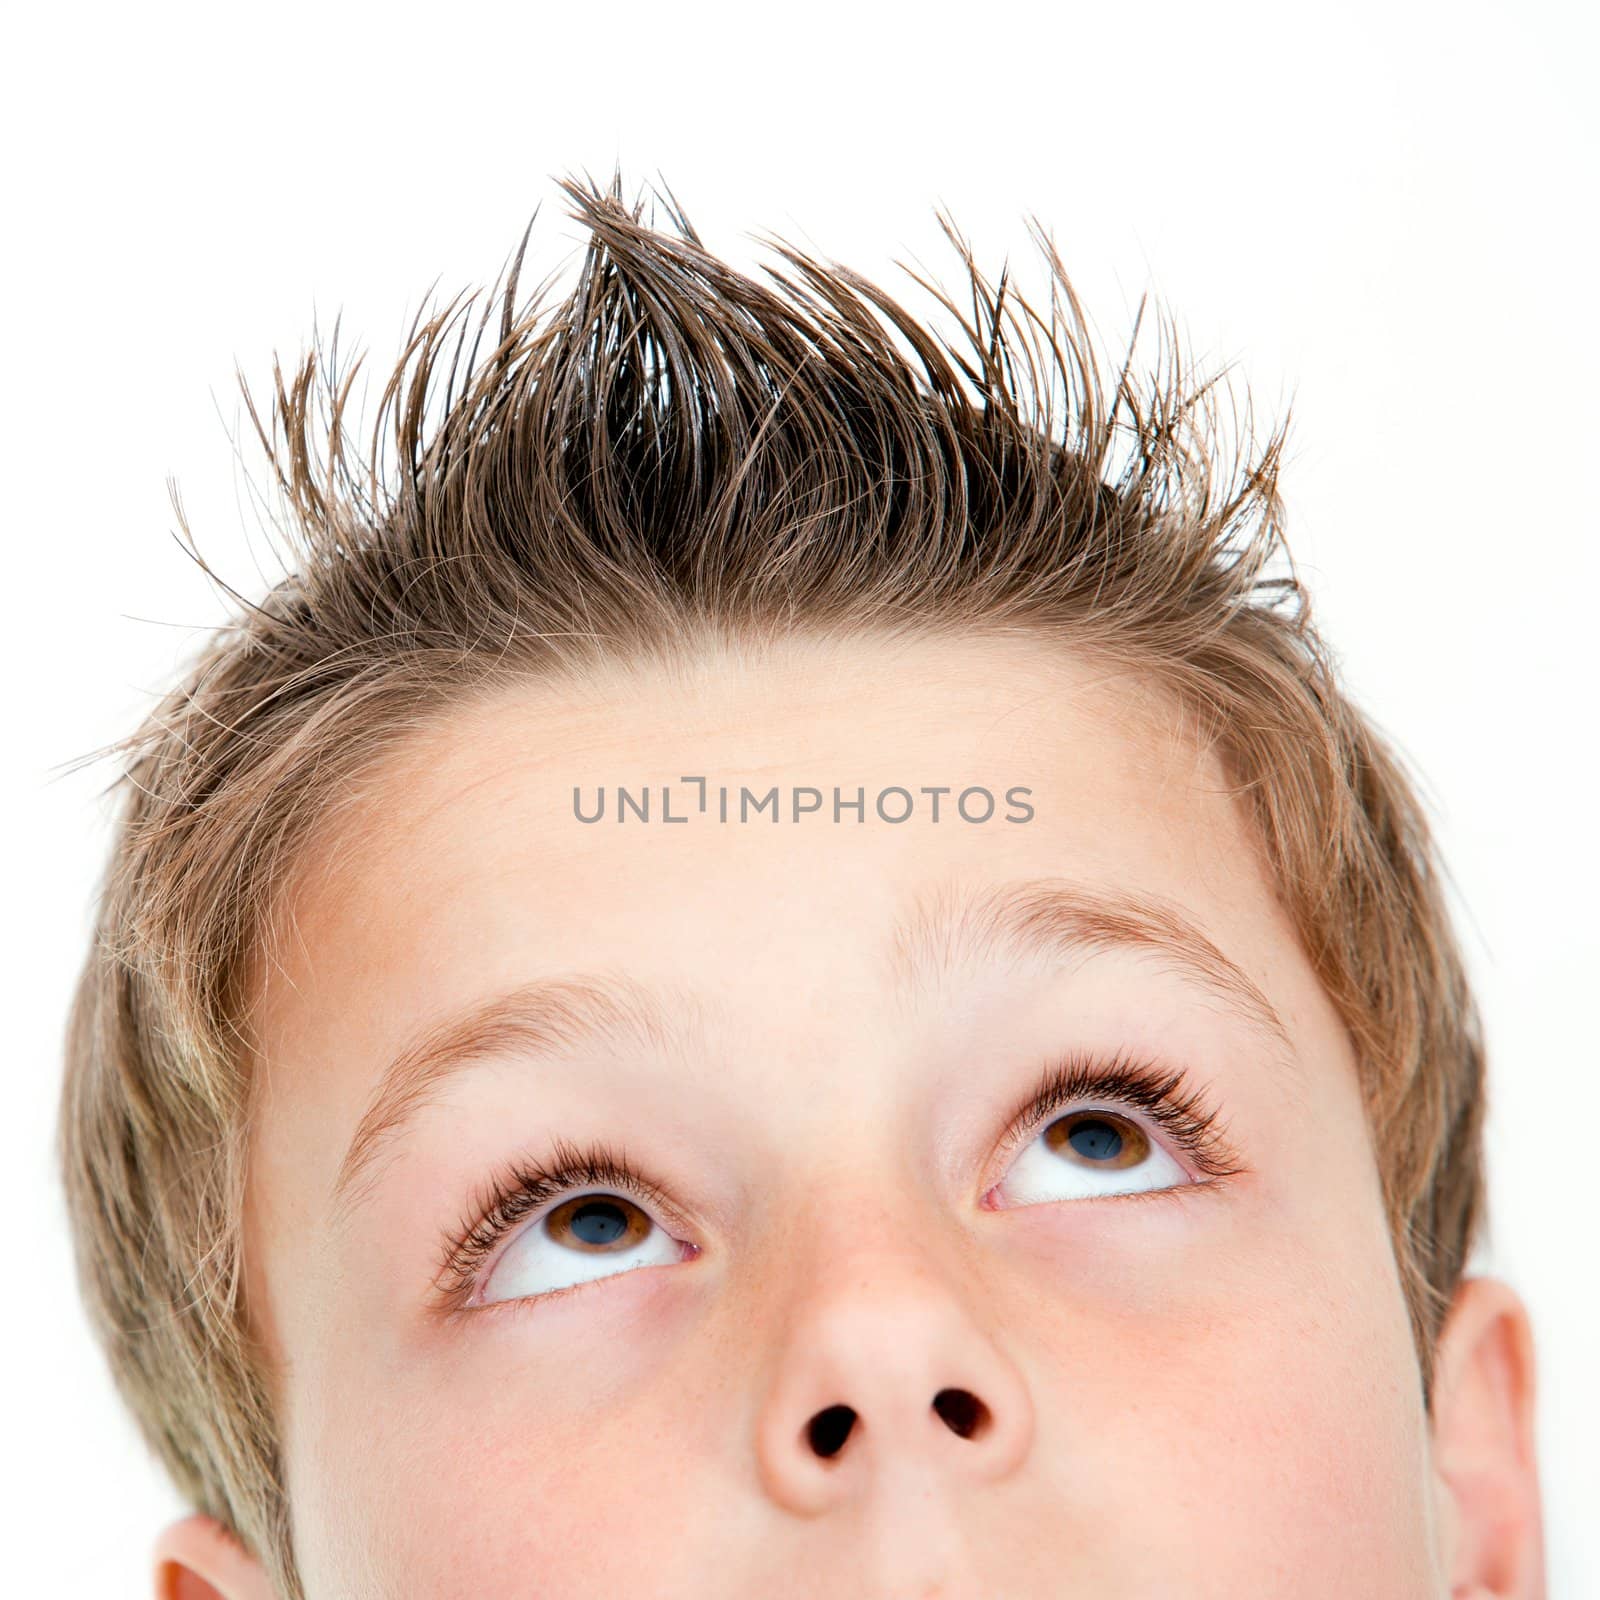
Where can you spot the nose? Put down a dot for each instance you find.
(887, 1371)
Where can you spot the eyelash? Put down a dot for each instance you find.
(521, 1190)
(1081, 1080)
(1163, 1094)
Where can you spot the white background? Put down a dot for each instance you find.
(1381, 211)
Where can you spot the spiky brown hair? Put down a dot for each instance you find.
(673, 449)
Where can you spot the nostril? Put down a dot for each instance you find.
(830, 1428)
(961, 1411)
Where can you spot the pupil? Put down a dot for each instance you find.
(1095, 1140)
(598, 1222)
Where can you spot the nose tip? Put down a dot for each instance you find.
(841, 1449)
(961, 1411)
(888, 1379)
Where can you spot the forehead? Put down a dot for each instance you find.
(462, 869)
(470, 841)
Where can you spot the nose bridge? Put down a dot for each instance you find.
(886, 1370)
(876, 1277)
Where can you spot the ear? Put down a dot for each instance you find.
(198, 1559)
(1485, 1472)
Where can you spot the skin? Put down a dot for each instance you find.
(1206, 1390)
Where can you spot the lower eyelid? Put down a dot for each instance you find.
(660, 1233)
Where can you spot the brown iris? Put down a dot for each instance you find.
(1098, 1139)
(597, 1224)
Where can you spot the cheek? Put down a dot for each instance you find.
(540, 1454)
(531, 1510)
(1247, 1415)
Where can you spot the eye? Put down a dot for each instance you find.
(1090, 1152)
(584, 1237)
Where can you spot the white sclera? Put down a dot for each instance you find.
(534, 1263)
(1041, 1174)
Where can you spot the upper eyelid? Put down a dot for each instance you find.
(1179, 1110)
(1079, 1080)
(1112, 1080)
(463, 1267)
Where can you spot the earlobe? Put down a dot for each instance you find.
(1484, 1462)
(198, 1559)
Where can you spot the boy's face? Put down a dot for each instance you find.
(1151, 1381)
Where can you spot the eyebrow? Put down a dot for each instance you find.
(1038, 920)
(542, 1017)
